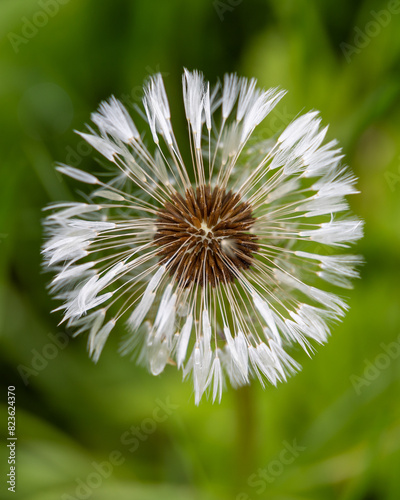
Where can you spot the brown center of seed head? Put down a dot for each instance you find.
(204, 237)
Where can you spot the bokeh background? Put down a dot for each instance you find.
(342, 412)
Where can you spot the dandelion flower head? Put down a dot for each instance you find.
(216, 261)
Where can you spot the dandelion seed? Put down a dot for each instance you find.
(216, 263)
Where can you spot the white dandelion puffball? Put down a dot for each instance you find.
(218, 262)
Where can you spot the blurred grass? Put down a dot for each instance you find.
(72, 412)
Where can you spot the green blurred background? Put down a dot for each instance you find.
(343, 410)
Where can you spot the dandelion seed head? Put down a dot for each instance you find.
(217, 263)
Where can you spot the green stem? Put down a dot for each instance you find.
(246, 426)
